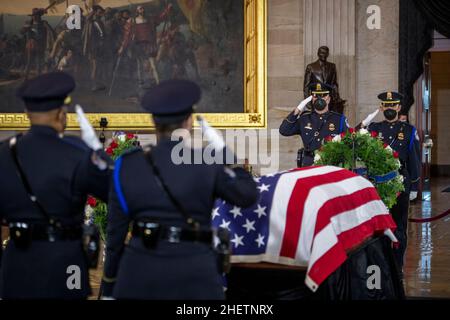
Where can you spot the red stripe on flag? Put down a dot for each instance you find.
(350, 239)
(327, 263)
(296, 206)
(353, 237)
(344, 203)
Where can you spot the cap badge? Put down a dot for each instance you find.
(68, 100)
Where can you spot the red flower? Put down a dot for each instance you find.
(351, 130)
(109, 151)
(343, 135)
(328, 138)
(395, 154)
(373, 134)
(130, 136)
(385, 145)
(113, 144)
(91, 201)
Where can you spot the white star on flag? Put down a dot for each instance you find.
(237, 240)
(260, 240)
(215, 213)
(264, 187)
(256, 179)
(249, 225)
(225, 224)
(236, 212)
(261, 211)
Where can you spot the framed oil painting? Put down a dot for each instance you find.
(124, 47)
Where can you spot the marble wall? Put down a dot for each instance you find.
(376, 55)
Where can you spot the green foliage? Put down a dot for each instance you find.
(355, 150)
(98, 210)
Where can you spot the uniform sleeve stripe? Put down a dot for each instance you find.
(341, 125)
(411, 139)
(118, 187)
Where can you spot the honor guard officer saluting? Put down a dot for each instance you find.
(402, 138)
(313, 126)
(170, 254)
(46, 177)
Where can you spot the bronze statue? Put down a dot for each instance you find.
(324, 72)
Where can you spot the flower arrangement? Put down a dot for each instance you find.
(97, 210)
(362, 152)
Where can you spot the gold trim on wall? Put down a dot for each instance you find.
(255, 84)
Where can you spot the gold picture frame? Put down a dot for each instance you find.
(254, 114)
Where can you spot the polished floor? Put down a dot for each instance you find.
(427, 266)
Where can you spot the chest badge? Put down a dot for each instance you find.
(401, 136)
(308, 126)
(331, 127)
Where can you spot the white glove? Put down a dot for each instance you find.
(211, 134)
(302, 105)
(412, 195)
(369, 118)
(87, 131)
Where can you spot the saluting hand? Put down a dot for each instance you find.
(87, 131)
(211, 134)
(302, 105)
(369, 118)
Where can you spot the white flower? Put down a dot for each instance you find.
(337, 138)
(360, 164)
(88, 210)
(317, 157)
(400, 178)
(388, 148)
(363, 131)
(122, 137)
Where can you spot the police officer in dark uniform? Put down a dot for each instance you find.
(401, 137)
(315, 125)
(46, 177)
(170, 254)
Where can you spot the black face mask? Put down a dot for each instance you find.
(320, 104)
(390, 114)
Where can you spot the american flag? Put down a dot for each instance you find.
(307, 217)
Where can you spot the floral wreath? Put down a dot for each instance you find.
(97, 210)
(363, 153)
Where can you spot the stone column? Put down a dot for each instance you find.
(332, 23)
(377, 55)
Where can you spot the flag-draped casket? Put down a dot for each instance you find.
(309, 217)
